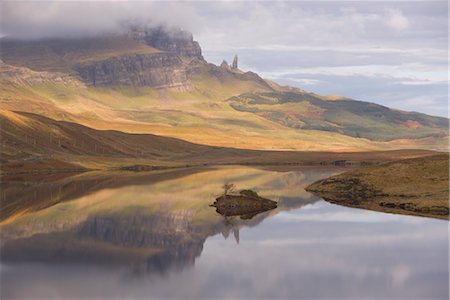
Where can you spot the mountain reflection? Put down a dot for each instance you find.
(146, 222)
(24, 193)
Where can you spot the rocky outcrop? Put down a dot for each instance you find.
(175, 41)
(224, 73)
(234, 66)
(159, 70)
(225, 65)
(15, 75)
(247, 204)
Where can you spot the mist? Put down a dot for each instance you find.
(35, 20)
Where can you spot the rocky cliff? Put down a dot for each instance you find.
(156, 57)
(175, 41)
(235, 63)
(160, 70)
(164, 69)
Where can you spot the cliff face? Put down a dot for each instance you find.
(160, 70)
(154, 57)
(175, 41)
(164, 69)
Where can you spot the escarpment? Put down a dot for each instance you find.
(175, 41)
(159, 70)
(155, 57)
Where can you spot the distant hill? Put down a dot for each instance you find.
(359, 119)
(156, 81)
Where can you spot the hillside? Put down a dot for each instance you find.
(32, 144)
(195, 116)
(416, 186)
(62, 55)
(302, 110)
(150, 81)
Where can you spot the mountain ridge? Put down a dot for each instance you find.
(125, 82)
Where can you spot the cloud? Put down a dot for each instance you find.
(388, 53)
(40, 19)
(396, 20)
(410, 73)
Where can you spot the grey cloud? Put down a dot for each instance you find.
(319, 23)
(40, 19)
(392, 53)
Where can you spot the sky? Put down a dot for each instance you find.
(394, 53)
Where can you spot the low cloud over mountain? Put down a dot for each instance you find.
(392, 53)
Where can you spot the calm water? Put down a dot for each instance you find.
(153, 235)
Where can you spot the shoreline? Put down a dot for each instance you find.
(254, 158)
(417, 186)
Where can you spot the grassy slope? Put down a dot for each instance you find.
(353, 118)
(418, 186)
(32, 141)
(192, 116)
(197, 117)
(201, 115)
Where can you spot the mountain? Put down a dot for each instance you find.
(353, 118)
(143, 57)
(156, 81)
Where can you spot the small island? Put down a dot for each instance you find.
(417, 186)
(246, 203)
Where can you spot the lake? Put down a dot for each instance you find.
(154, 235)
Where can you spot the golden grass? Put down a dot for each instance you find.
(54, 146)
(200, 116)
(417, 186)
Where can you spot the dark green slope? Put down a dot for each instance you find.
(350, 117)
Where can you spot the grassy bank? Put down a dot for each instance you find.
(418, 186)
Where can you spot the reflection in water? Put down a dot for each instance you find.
(151, 221)
(114, 235)
(24, 193)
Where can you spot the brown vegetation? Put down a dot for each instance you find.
(33, 143)
(418, 186)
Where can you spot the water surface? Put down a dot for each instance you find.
(153, 235)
